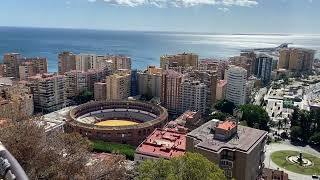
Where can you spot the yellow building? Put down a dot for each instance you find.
(180, 60)
(296, 59)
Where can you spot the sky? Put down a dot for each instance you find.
(211, 16)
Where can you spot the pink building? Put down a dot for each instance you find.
(221, 90)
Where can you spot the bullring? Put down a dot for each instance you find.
(128, 122)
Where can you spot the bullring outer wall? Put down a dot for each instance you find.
(132, 135)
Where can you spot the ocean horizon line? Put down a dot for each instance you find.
(158, 31)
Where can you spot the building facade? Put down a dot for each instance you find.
(193, 96)
(238, 150)
(221, 90)
(149, 83)
(67, 62)
(264, 69)
(100, 91)
(296, 59)
(48, 92)
(171, 91)
(118, 86)
(177, 61)
(236, 87)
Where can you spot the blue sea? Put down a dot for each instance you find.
(144, 48)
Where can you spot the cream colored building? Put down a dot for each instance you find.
(48, 92)
(84, 62)
(75, 83)
(118, 86)
(296, 59)
(149, 82)
(193, 96)
(100, 91)
(183, 60)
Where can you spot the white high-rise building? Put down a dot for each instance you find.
(236, 87)
(193, 96)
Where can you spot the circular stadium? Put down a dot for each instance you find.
(128, 122)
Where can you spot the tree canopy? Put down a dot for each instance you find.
(225, 106)
(255, 116)
(188, 167)
(59, 156)
(305, 126)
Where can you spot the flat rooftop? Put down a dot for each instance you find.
(246, 139)
(163, 144)
(55, 119)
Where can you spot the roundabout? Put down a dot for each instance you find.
(297, 162)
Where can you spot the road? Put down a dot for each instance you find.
(287, 146)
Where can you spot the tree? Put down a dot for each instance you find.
(62, 156)
(225, 106)
(84, 97)
(285, 122)
(295, 117)
(296, 133)
(315, 138)
(188, 167)
(218, 115)
(255, 116)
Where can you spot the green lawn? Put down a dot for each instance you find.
(108, 147)
(279, 157)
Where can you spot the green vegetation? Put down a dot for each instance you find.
(225, 106)
(255, 116)
(218, 115)
(84, 97)
(305, 126)
(109, 147)
(189, 166)
(279, 157)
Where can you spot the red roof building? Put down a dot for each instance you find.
(162, 143)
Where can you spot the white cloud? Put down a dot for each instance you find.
(224, 9)
(180, 3)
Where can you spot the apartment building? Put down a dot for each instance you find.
(100, 91)
(48, 92)
(75, 83)
(221, 90)
(171, 91)
(236, 87)
(32, 66)
(193, 96)
(264, 68)
(15, 66)
(118, 86)
(67, 62)
(177, 61)
(244, 62)
(296, 59)
(149, 82)
(238, 150)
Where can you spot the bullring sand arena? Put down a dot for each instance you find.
(116, 123)
(127, 122)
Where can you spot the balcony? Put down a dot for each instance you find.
(225, 163)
